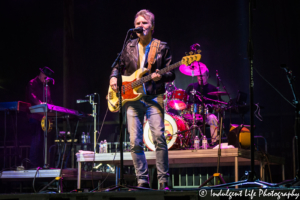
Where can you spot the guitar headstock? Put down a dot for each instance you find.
(187, 60)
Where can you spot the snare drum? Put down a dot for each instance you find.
(178, 100)
(173, 124)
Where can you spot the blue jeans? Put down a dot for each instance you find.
(152, 106)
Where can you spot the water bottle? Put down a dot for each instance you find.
(83, 139)
(105, 146)
(88, 138)
(196, 143)
(101, 147)
(204, 142)
(68, 135)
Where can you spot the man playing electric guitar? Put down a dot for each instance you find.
(136, 56)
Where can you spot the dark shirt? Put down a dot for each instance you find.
(163, 59)
(34, 95)
(206, 89)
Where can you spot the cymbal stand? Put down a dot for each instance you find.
(194, 48)
(218, 84)
(202, 101)
(194, 125)
(221, 112)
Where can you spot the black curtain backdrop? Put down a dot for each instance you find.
(32, 37)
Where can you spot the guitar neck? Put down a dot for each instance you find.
(161, 72)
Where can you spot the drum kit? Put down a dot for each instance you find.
(180, 125)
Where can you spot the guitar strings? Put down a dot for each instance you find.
(130, 86)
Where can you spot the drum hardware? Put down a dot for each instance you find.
(217, 101)
(180, 139)
(186, 140)
(220, 111)
(202, 101)
(218, 93)
(170, 87)
(197, 109)
(195, 69)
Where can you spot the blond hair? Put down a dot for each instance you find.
(147, 15)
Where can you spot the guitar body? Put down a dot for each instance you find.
(129, 95)
(131, 84)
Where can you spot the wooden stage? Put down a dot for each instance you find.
(188, 158)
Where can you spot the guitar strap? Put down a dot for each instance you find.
(152, 53)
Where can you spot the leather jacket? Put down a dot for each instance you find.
(129, 59)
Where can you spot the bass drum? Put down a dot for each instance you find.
(173, 124)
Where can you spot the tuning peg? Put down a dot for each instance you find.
(198, 51)
(186, 53)
(191, 53)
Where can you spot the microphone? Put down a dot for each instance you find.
(218, 80)
(91, 95)
(283, 66)
(137, 30)
(48, 78)
(81, 101)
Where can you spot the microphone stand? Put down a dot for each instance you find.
(291, 78)
(119, 88)
(94, 115)
(251, 179)
(46, 165)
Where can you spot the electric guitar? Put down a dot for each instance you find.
(130, 84)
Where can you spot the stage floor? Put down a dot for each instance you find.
(203, 194)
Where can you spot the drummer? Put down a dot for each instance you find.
(211, 119)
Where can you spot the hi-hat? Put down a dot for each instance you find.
(217, 93)
(193, 69)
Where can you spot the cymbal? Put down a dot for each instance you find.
(193, 69)
(217, 101)
(217, 93)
